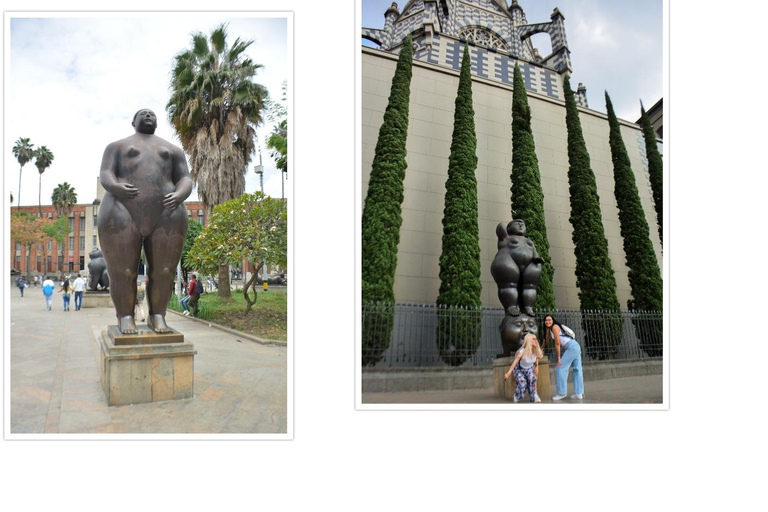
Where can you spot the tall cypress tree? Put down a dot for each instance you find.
(527, 196)
(382, 215)
(644, 274)
(655, 169)
(459, 321)
(594, 274)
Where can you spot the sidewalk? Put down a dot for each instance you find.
(646, 389)
(240, 385)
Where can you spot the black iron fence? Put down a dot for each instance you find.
(403, 335)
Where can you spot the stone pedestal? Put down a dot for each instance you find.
(95, 300)
(146, 367)
(506, 389)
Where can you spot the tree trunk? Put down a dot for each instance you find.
(251, 283)
(40, 196)
(224, 291)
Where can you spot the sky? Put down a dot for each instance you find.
(76, 80)
(616, 46)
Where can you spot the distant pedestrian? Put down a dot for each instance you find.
(35, 282)
(140, 292)
(21, 283)
(66, 289)
(526, 368)
(185, 300)
(571, 356)
(79, 287)
(195, 290)
(48, 287)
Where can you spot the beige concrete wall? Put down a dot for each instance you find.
(433, 93)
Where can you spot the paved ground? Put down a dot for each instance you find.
(240, 385)
(646, 389)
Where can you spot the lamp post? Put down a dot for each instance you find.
(260, 171)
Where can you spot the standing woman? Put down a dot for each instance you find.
(140, 292)
(526, 368)
(66, 289)
(571, 356)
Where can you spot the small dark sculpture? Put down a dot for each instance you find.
(97, 269)
(513, 330)
(146, 181)
(517, 271)
(516, 268)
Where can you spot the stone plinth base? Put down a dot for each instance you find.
(147, 371)
(95, 300)
(506, 389)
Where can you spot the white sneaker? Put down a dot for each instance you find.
(536, 398)
(186, 312)
(514, 399)
(578, 397)
(558, 397)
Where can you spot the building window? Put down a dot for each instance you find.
(94, 241)
(199, 214)
(71, 224)
(39, 247)
(82, 263)
(82, 243)
(95, 221)
(71, 243)
(18, 247)
(82, 223)
(49, 262)
(50, 245)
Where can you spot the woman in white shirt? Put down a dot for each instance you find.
(526, 368)
(571, 357)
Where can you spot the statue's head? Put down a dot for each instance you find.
(145, 121)
(95, 253)
(513, 330)
(516, 227)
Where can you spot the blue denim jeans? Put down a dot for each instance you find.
(184, 302)
(78, 300)
(66, 297)
(48, 301)
(571, 356)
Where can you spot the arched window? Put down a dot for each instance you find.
(483, 37)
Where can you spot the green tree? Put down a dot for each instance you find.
(58, 231)
(193, 231)
(27, 230)
(253, 228)
(23, 151)
(459, 321)
(215, 107)
(64, 198)
(594, 275)
(527, 195)
(382, 215)
(43, 160)
(278, 139)
(655, 169)
(643, 268)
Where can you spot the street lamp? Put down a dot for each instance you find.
(260, 171)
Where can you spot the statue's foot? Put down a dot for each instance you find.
(529, 311)
(513, 311)
(127, 325)
(157, 324)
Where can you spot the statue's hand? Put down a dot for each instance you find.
(172, 200)
(124, 190)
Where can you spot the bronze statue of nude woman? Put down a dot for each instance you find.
(146, 181)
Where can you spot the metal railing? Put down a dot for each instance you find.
(413, 334)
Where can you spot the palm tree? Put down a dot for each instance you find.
(43, 160)
(23, 150)
(215, 107)
(63, 199)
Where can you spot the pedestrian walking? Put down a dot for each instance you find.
(571, 357)
(21, 283)
(66, 289)
(526, 368)
(48, 287)
(35, 282)
(79, 287)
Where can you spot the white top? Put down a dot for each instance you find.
(564, 338)
(527, 361)
(78, 284)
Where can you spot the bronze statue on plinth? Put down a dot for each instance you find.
(146, 181)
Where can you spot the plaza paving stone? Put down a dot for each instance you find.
(240, 385)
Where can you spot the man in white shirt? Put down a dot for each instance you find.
(79, 287)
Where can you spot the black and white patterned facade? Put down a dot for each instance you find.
(498, 36)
